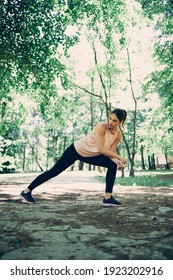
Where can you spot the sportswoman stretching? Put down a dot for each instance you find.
(97, 148)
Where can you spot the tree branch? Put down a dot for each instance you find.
(100, 75)
(94, 94)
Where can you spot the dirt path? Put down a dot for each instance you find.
(68, 221)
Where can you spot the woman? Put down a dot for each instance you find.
(97, 148)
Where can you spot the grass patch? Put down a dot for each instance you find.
(154, 180)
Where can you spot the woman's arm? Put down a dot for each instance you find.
(114, 147)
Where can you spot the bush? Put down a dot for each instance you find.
(7, 164)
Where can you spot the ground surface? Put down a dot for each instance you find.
(68, 221)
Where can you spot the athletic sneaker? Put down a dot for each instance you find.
(27, 197)
(111, 202)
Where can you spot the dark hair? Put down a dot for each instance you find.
(121, 114)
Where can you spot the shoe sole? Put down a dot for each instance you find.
(111, 205)
(24, 199)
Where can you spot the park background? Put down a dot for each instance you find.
(65, 64)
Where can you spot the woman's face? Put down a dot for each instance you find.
(113, 122)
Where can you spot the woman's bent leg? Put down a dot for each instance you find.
(68, 158)
(105, 162)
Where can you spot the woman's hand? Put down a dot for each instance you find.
(119, 163)
(122, 159)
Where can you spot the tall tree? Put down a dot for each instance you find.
(161, 80)
(131, 152)
(105, 31)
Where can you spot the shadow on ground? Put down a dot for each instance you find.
(74, 225)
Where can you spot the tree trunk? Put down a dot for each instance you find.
(81, 165)
(132, 155)
(122, 173)
(142, 158)
(153, 162)
(89, 167)
(34, 156)
(149, 163)
(65, 141)
(32, 162)
(47, 154)
(91, 103)
(167, 164)
(91, 112)
(132, 172)
(118, 150)
(24, 157)
(55, 140)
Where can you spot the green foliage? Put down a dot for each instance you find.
(106, 21)
(153, 7)
(31, 31)
(161, 81)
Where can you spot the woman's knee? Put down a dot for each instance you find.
(112, 166)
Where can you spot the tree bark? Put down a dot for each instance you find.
(153, 162)
(142, 158)
(167, 164)
(35, 156)
(24, 157)
(133, 153)
(81, 165)
(149, 163)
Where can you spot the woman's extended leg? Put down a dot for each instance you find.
(68, 158)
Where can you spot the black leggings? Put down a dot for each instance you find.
(68, 158)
